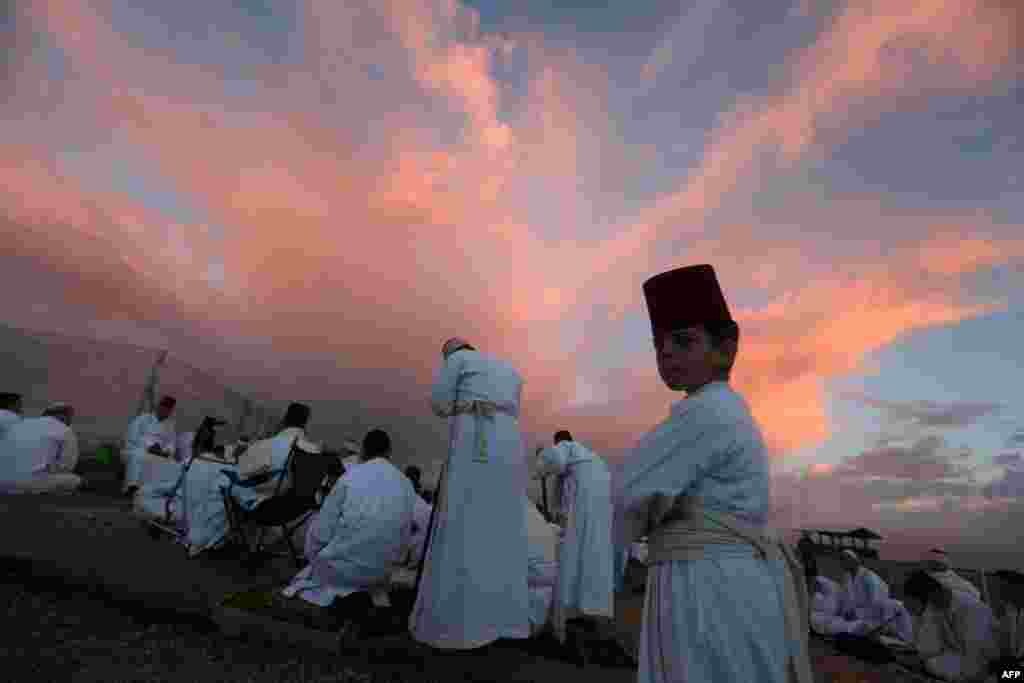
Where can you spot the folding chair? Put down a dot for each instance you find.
(287, 508)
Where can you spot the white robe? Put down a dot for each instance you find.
(585, 564)
(420, 522)
(143, 432)
(359, 536)
(542, 566)
(957, 644)
(39, 455)
(1011, 632)
(183, 446)
(278, 448)
(954, 582)
(865, 599)
(719, 618)
(8, 418)
(474, 589)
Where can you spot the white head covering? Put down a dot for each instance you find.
(453, 345)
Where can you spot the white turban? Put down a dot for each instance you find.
(452, 345)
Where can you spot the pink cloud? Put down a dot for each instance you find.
(374, 258)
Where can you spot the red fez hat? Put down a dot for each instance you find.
(685, 297)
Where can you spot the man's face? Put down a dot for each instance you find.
(684, 358)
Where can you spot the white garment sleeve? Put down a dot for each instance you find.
(553, 460)
(442, 394)
(132, 435)
(67, 458)
(662, 466)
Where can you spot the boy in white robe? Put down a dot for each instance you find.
(361, 532)
(726, 600)
(865, 600)
(40, 454)
(955, 636)
(10, 411)
(585, 588)
(473, 589)
(149, 441)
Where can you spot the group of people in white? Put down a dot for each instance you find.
(957, 636)
(726, 600)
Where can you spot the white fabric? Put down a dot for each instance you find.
(183, 446)
(359, 536)
(420, 522)
(204, 516)
(1011, 632)
(39, 455)
(542, 566)
(273, 451)
(954, 582)
(143, 432)
(7, 418)
(586, 584)
(865, 600)
(474, 587)
(719, 618)
(957, 644)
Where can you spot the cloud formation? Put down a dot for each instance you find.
(383, 187)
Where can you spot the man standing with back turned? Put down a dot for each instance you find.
(474, 590)
(726, 600)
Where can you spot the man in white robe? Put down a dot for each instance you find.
(586, 588)
(148, 443)
(866, 600)
(955, 636)
(204, 508)
(726, 600)
(10, 411)
(937, 564)
(361, 532)
(40, 454)
(473, 589)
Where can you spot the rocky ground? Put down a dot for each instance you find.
(56, 636)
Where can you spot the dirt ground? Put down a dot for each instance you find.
(90, 540)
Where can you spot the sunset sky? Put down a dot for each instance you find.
(315, 195)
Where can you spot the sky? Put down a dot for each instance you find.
(313, 196)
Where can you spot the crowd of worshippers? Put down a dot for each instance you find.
(942, 618)
(726, 599)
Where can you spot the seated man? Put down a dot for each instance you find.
(358, 537)
(269, 455)
(1010, 624)
(40, 454)
(149, 441)
(865, 598)
(937, 564)
(151, 501)
(10, 411)
(955, 635)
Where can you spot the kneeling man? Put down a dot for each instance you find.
(359, 535)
